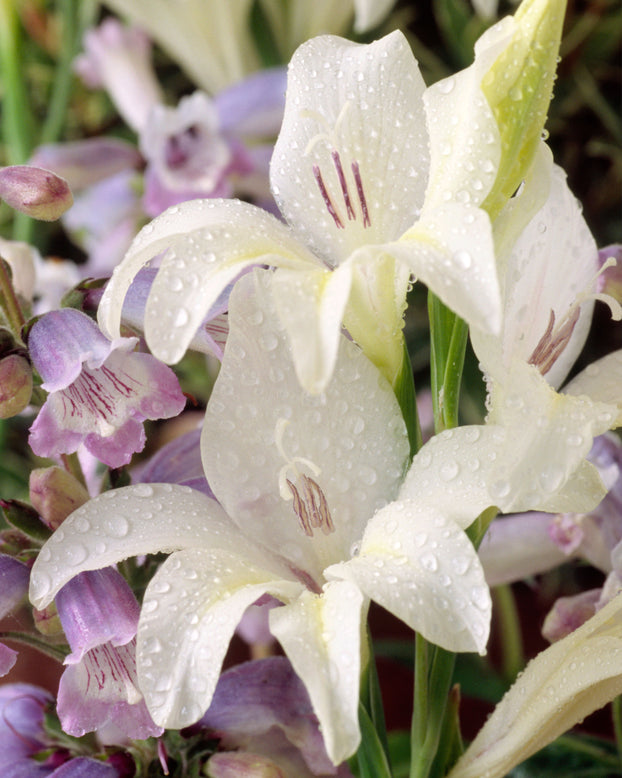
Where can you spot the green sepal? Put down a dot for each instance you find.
(25, 518)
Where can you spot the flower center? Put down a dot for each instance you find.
(309, 501)
(330, 138)
(557, 334)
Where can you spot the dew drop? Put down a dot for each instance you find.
(181, 318)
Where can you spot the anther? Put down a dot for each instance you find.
(310, 506)
(326, 196)
(343, 184)
(361, 193)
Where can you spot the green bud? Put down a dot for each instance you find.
(47, 621)
(518, 88)
(55, 494)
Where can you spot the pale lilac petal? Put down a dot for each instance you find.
(14, 577)
(254, 627)
(95, 607)
(190, 611)
(21, 721)
(102, 688)
(328, 659)
(363, 103)
(8, 657)
(516, 547)
(253, 107)
(60, 342)
(118, 59)
(178, 462)
(117, 449)
(425, 571)
(569, 613)
(83, 767)
(86, 162)
(158, 198)
(252, 698)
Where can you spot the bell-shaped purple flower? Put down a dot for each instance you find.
(14, 577)
(99, 614)
(101, 391)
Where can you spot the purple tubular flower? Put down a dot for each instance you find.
(178, 462)
(13, 586)
(262, 707)
(21, 723)
(99, 614)
(101, 392)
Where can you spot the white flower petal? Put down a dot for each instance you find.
(455, 473)
(553, 261)
(311, 307)
(208, 243)
(451, 250)
(140, 519)
(602, 382)
(354, 434)
(369, 13)
(424, 570)
(190, 611)
(321, 635)
(364, 103)
(561, 686)
(465, 146)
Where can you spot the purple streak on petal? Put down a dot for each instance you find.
(14, 577)
(86, 162)
(252, 698)
(97, 607)
(83, 767)
(254, 107)
(102, 688)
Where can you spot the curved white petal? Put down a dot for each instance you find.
(562, 685)
(453, 474)
(553, 262)
(548, 436)
(207, 244)
(424, 570)
(465, 145)
(602, 382)
(311, 307)
(362, 102)
(259, 420)
(190, 611)
(321, 635)
(141, 519)
(451, 250)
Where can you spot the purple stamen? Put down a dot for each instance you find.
(343, 184)
(326, 196)
(359, 188)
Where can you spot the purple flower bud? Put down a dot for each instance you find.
(15, 385)
(55, 493)
(34, 191)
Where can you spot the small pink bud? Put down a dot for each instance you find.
(15, 385)
(34, 191)
(239, 764)
(55, 494)
(47, 621)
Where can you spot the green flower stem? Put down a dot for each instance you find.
(17, 119)
(513, 657)
(63, 76)
(373, 753)
(33, 641)
(404, 389)
(616, 714)
(12, 308)
(434, 669)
